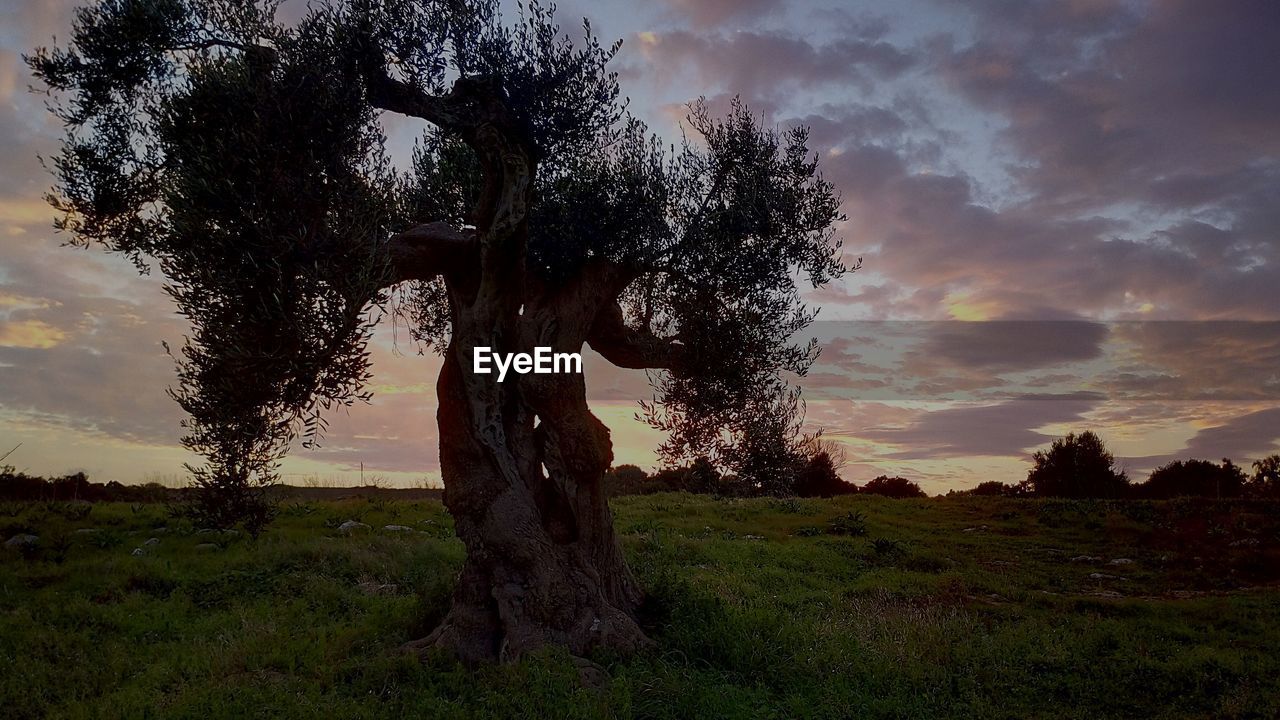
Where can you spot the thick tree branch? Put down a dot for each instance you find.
(387, 93)
(429, 250)
(628, 347)
(473, 101)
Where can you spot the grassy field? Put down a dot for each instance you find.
(855, 607)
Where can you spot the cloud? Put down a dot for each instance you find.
(1243, 439)
(1004, 429)
(734, 62)
(711, 13)
(30, 334)
(1014, 345)
(1114, 103)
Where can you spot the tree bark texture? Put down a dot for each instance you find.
(523, 460)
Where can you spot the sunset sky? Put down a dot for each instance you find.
(1068, 214)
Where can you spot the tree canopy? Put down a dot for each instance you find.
(1077, 466)
(1194, 478)
(243, 157)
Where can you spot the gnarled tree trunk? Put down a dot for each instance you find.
(523, 464)
(523, 460)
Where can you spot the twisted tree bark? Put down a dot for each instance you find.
(523, 461)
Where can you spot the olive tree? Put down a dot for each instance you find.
(242, 156)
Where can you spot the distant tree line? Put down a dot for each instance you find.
(817, 475)
(817, 480)
(1081, 466)
(1076, 466)
(15, 485)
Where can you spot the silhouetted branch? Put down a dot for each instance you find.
(633, 348)
(430, 250)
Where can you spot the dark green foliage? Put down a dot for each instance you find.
(750, 211)
(894, 487)
(252, 176)
(820, 478)
(1077, 466)
(69, 490)
(699, 477)
(1265, 481)
(851, 523)
(625, 479)
(992, 488)
(1193, 478)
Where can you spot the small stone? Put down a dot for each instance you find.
(21, 541)
(351, 526)
(753, 537)
(1121, 561)
(138, 552)
(152, 541)
(1104, 576)
(87, 531)
(1085, 558)
(397, 528)
(373, 588)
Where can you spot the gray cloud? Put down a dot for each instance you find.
(767, 63)
(1243, 439)
(1005, 429)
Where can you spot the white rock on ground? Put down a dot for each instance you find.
(351, 526)
(21, 541)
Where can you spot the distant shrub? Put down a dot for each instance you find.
(1077, 466)
(992, 488)
(894, 487)
(1265, 482)
(820, 476)
(699, 477)
(1194, 478)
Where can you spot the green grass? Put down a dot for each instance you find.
(943, 608)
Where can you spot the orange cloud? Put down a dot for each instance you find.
(34, 334)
